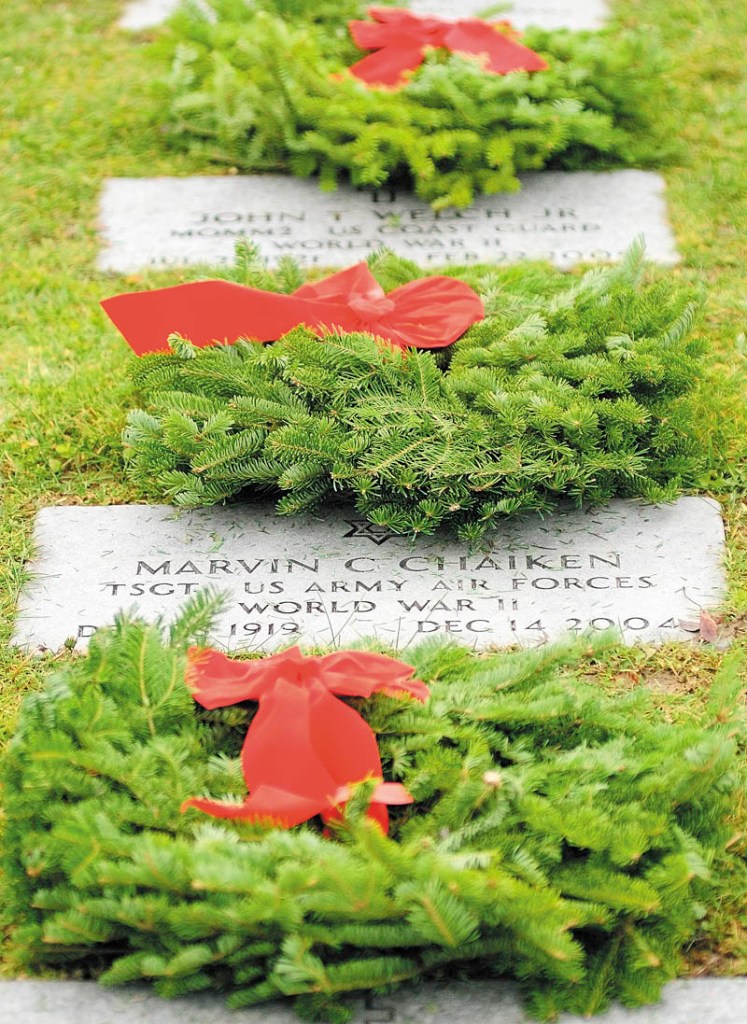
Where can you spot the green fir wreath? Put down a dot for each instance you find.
(571, 389)
(559, 836)
(261, 85)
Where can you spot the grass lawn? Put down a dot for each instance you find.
(78, 108)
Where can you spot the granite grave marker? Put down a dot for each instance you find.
(334, 578)
(562, 217)
(687, 1001)
(575, 14)
(139, 14)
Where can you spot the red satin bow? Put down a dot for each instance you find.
(401, 38)
(304, 748)
(430, 313)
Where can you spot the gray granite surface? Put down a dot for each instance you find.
(563, 217)
(702, 1001)
(139, 14)
(335, 579)
(576, 14)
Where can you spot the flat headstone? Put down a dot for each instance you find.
(140, 14)
(335, 579)
(701, 1001)
(566, 218)
(575, 14)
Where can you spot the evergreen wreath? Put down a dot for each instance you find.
(575, 390)
(262, 85)
(560, 836)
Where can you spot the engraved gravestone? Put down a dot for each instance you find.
(335, 578)
(576, 14)
(140, 14)
(687, 1001)
(566, 218)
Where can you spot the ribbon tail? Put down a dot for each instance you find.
(209, 312)
(503, 54)
(388, 66)
(386, 793)
(391, 793)
(376, 812)
(281, 808)
(267, 804)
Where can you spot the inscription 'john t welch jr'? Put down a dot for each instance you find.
(564, 218)
(440, 234)
(335, 580)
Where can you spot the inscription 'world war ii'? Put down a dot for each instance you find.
(636, 568)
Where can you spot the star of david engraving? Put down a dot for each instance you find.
(361, 528)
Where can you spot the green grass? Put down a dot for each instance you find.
(75, 96)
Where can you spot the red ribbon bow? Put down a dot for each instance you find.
(430, 313)
(401, 39)
(304, 748)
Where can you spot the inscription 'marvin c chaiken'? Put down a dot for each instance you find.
(365, 564)
(635, 567)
